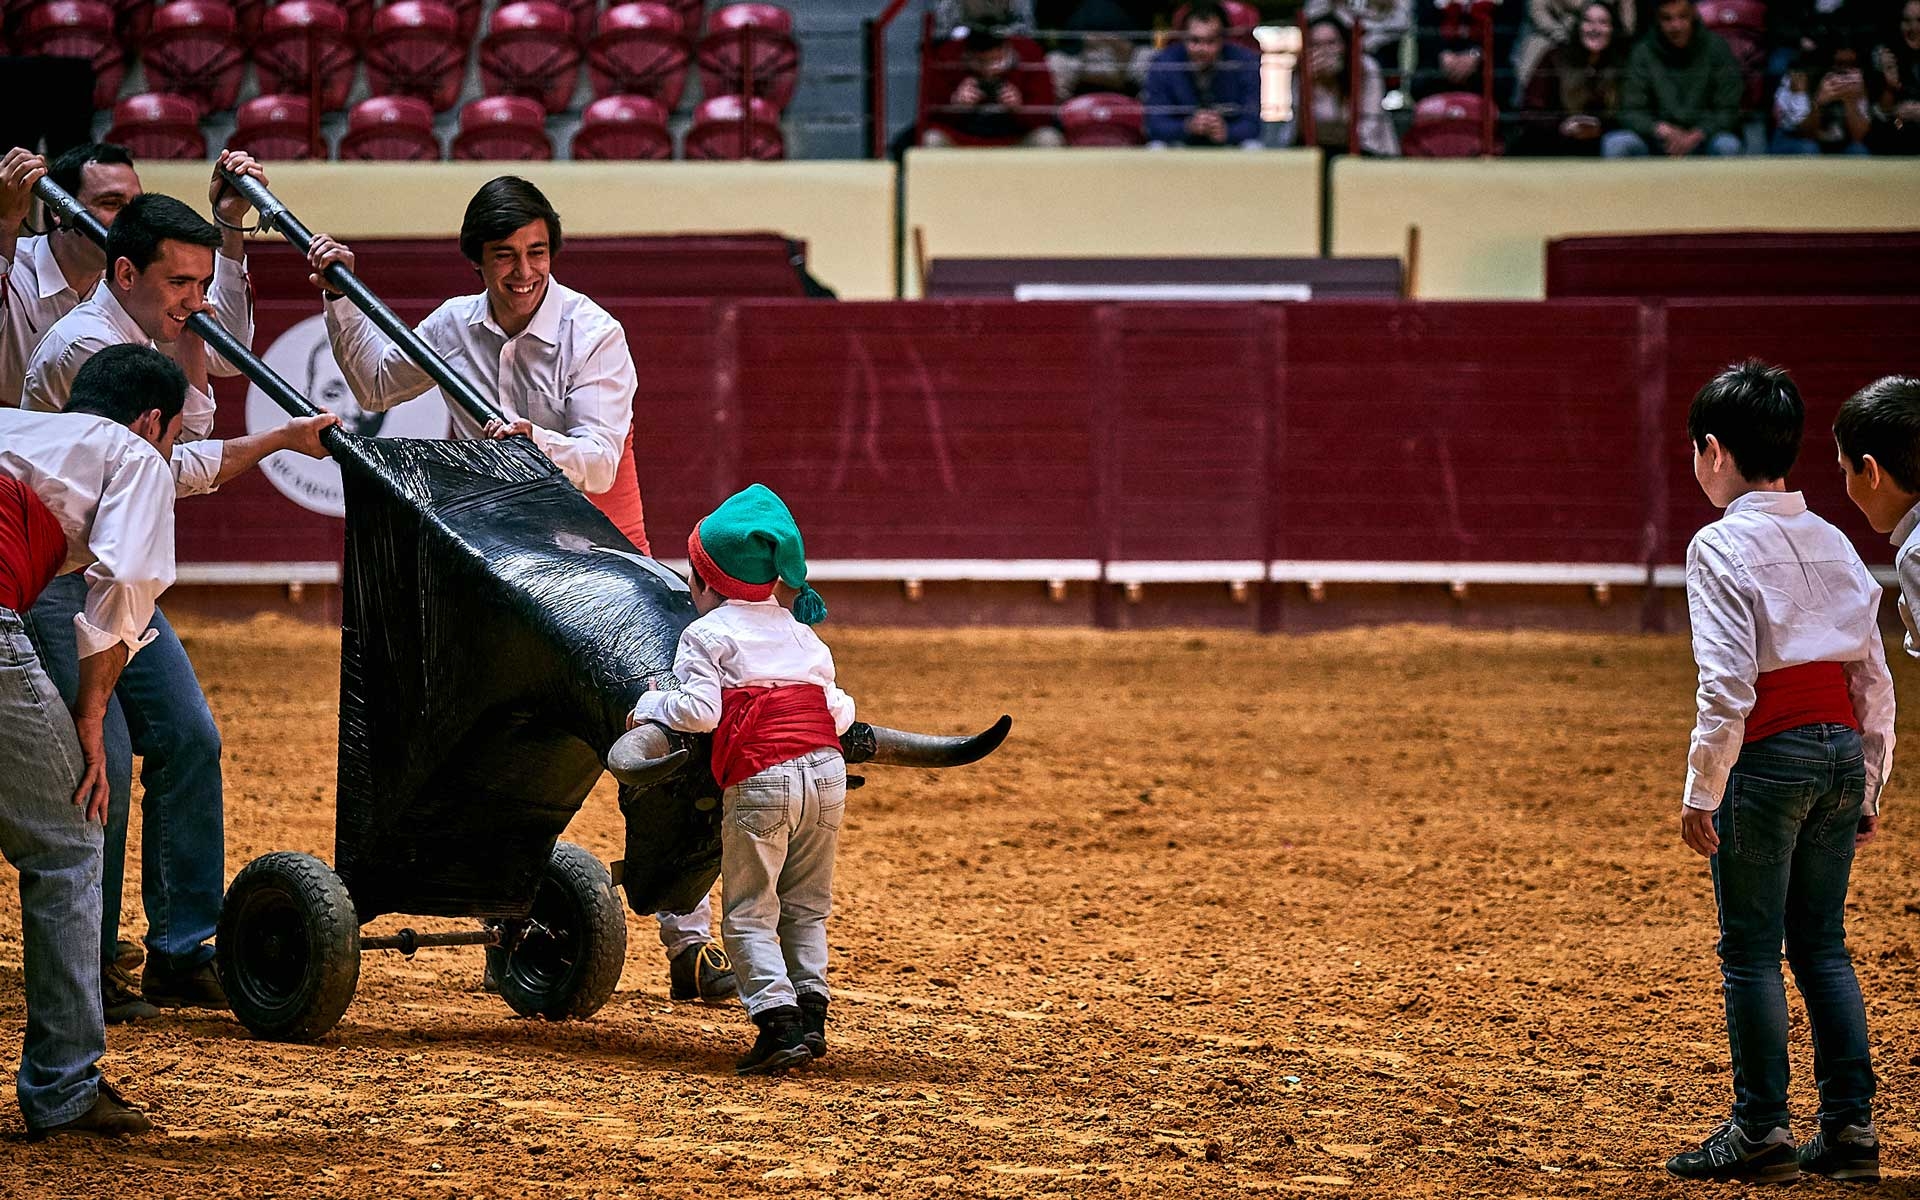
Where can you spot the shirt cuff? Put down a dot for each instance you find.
(92, 640)
(1698, 795)
(647, 707)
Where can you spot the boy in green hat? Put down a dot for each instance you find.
(756, 676)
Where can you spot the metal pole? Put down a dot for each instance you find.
(209, 330)
(455, 387)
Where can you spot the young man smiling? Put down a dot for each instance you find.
(558, 364)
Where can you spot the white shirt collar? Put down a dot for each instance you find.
(546, 319)
(1905, 528)
(1784, 504)
(756, 603)
(108, 304)
(46, 269)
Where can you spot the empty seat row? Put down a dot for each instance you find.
(132, 18)
(400, 129)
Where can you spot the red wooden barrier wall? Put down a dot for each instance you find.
(1545, 432)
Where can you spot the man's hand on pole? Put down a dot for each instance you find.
(322, 253)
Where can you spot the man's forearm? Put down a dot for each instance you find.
(98, 675)
(240, 455)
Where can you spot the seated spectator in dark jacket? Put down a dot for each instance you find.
(1682, 91)
(1451, 39)
(1202, 90)
(1822, 110)
(1895, 80)
(1333, 83)
(982, 89)
(1101, 48)
(1574, 95)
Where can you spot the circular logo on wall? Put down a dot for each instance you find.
(304, 358)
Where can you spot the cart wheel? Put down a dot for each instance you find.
(288, 949)
(567, 958)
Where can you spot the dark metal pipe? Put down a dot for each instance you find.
(456, 387)
(203, 324)
(407, 941)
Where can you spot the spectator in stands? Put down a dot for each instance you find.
(1452, 41)
(1798, 28)
(1203, 90)
(1562, 25)
(1574, 95)
(1822, 110)
(1097, 51)
(989, 90)
(1896, 86)
(1332, 77)
(1682, 91)
(1384, 24)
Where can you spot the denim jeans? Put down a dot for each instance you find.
(777, 840)
(1786, 828)
(56, 850)
(167, 722)
(1625, 143)
(681, 930)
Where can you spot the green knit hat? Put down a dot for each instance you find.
(747, 544)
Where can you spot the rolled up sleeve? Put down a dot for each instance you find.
(233, 307)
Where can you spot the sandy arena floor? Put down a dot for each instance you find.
(1397, 912)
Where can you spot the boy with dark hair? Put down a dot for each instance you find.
(1878, 432)
(1791, 747)
(558, 365)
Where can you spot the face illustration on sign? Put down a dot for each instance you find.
(303, 356)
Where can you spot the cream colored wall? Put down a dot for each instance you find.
(844, 210)
(1484, 225)
(1081, 203)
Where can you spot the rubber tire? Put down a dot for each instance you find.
(288, 948)
(571, 977)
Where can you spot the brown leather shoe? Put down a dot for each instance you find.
(120, 997)
(197, 987)
(110, 1116)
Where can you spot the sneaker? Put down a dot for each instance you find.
(120, 997)
(196, 987)
(1728, 1154)
(702, 972)
(1852, 1153)
(813, 1022)
(781, 1045)
(110, 1116)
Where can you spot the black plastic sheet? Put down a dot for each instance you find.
(497, 630)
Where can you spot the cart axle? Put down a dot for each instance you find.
(407, 941)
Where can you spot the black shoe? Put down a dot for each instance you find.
(129, 956)
(1851, 1153)
(781, 1045)
(110, 1116)
(1728, 1154)
(120, 997)
(196, 987)
(703, 973)
(813, 1022)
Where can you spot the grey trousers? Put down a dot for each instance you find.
(777, 841)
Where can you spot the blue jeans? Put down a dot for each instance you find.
(778, 835)
(1625, 143)
(165, 721)
(1789, 143)
(56, 850)
(1786, 828)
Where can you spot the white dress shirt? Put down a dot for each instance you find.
(113, 496)
(1770, 585)
(743, 643)
(569, 372)
(34, 293)
(1906, 565)
(100, 322)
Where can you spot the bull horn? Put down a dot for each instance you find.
(898, 748)
(644, 756)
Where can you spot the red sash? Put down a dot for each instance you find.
(32, 546)
(761, 727)
(1812, 693)
(621, 502)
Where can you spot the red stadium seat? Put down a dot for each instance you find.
(157, 126)
(468, 11)
(131, 20)
(640, 51)
(623, 127)
(276, 128)
(751, 44)
(1743, 23)
(416, 50)
(529, 51)
(503, 127)
(1103, 119)
(77, 29)
(1448, 125)
(1241, 19)
(391, 129)
(692, 14)
(193, 50)
(717, 130)
(298, 39)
